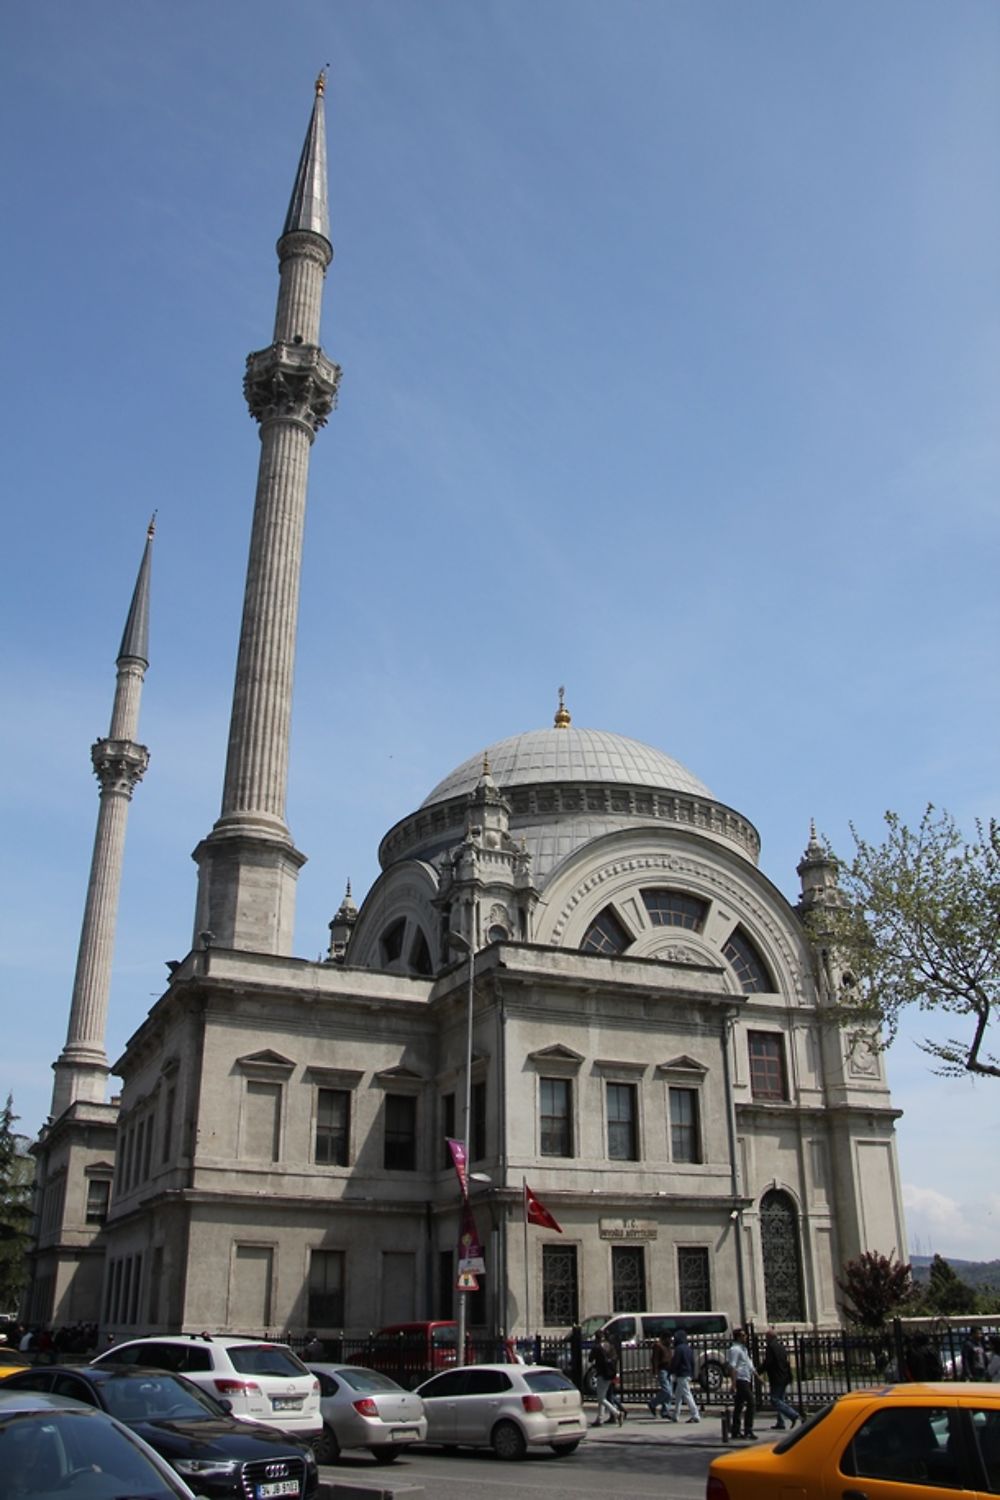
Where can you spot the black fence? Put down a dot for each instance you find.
(824, 1365)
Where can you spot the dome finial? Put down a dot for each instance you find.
(321, 81)
(562, 719)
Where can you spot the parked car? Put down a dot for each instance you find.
(52, 1445)
(365, 1409)
(409, 1352)
(708, 1332)
(509, 1408)
(262, 1381)
(210, 1449)
(925, 1441)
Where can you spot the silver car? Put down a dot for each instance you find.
(509, 1408)
(365, 1409)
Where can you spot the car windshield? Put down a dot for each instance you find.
(79, 1454)
(444, 1338)
(266, 1359)
(151, 1398)
(367, 1380)
(547, 1380)
(798, 1433)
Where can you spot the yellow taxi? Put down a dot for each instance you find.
(897, 1442)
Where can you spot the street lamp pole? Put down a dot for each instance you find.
(458, 941)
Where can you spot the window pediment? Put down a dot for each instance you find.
(683, 1067)
(100, 1169)
(399, 1078)
(265, 1065)
(612, 1068)
(556, 1059)
(335, 1078)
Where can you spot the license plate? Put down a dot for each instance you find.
(278, 1487)
(400, 1434)
(285, 1403)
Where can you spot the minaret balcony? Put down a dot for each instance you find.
(294, 381)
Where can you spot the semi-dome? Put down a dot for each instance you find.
(567, 754)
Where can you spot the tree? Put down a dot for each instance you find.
(875, 1287)
(16, 1177)
(946, 1294)
(919, 924)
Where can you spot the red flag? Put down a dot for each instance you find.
(536, 1212)
(457, 1150)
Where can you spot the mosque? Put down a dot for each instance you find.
(570, 962)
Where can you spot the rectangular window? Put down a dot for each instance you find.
(400, 1145)
(147, 1153)
(168, 1124)
(560, 1290)
(326, 1289)
(622, 1133)
(694, 1288)
(399, 1286)
(685, 1135)
(333, 1124)
(447, 1125)
(250, 1298)
(155, 1282)
(98, 1198)
(477, 1122)
(767, 1065)
(555, 1122)
(133, 1306)
(446, 1284)
(261, 1136)
(628, 1278)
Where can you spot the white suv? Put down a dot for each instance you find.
(260, 1381)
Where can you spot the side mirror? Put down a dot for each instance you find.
(226, 1405)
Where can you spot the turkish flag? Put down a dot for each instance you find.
(536, 1212)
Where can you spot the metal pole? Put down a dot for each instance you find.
(527, 1276)
(728, 1021)
(462, 1295)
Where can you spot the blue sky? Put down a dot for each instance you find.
(670, 335)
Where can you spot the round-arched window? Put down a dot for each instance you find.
(779, 1242)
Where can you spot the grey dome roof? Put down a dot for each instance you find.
(570, 754)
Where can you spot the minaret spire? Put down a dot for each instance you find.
(119, 763)
(248, 865)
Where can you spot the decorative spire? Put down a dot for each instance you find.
(135, 636)
(307, 208)
(562, 719)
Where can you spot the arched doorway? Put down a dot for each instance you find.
(779, 1243)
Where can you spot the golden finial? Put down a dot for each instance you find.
(486, 763)
(151, 528)
(562, 719)
(321, 82)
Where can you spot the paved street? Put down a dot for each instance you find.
(645, 1457)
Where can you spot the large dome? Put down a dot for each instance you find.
(566, 755)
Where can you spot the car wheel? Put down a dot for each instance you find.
(508, 1441)
(326, 1447)
(561, 1449)
(712, 1376)
(384, 1455)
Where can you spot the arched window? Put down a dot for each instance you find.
(606, 934)
(779, 1243)
(751, 970)
(675, 909)
(420, 954)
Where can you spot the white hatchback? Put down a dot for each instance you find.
(258, 1380)
(509, 1408)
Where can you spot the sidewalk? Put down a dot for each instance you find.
(640, 1427)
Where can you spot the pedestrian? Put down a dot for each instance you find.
(974, 1356)
(660, 1364)
(314, 1348)
(741, 1373)
(993, 1363)
(682, 1372)
(605, 1362)
(778, 1370)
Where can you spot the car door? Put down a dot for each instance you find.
(480, 1404)
(440, 1396)
(912, 1451)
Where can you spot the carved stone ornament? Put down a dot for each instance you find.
(291, 380)
(119, 765)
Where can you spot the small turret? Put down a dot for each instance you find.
(341, 928)
(817, 871)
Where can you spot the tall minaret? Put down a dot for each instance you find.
(248, 865)
(119, 764)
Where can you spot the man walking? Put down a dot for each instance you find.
(779, 1377)
(741, 1373)
(660, 1363)
(605, 1369)
(682, 1370)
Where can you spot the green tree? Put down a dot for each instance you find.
(875, 1287)
(920, 925)
(16, 1178)
(946, 1294)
